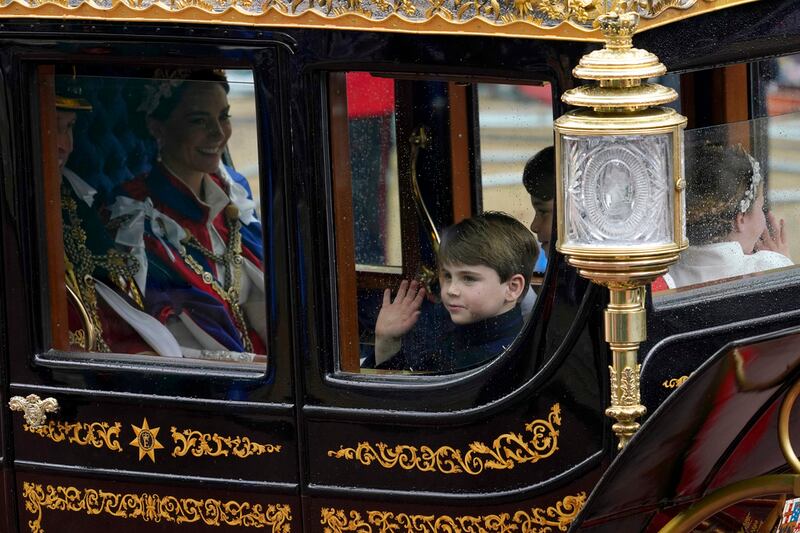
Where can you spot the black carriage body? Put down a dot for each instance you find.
(518, 443)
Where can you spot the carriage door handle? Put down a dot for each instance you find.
(34, 408)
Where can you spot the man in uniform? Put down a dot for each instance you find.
(105, 312)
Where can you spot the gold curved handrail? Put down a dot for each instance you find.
(71, 284)
(420, 140)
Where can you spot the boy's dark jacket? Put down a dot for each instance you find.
(459, 347)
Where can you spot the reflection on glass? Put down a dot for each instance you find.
(516, 122)
(407, 319)
(162, 238)
(732, 231)
(373, 166)
(783, 85)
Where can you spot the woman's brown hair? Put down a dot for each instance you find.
(718, 177)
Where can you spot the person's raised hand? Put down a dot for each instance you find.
(396, 318)
(774, 237)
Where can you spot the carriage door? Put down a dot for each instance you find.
(135, 402)
(427, 438)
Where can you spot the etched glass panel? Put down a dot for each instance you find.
(618, 190)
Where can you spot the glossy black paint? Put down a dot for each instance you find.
(560, 357)
(714, 431)
(763, 29)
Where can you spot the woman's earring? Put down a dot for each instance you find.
(159, 144)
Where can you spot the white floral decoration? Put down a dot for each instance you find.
(750, 195)
(155, 92)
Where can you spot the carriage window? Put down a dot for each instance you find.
(156, 174)
(415, 165)
(743, 188)
(516, 130)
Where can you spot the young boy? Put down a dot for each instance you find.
(485, 267)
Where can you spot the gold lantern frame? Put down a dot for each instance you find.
(621, 105)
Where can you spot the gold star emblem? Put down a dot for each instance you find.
(146, 440)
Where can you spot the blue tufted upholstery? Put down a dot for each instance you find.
(109, 147)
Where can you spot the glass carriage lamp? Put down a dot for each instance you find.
(621, 221)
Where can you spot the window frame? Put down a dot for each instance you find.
(259, 61)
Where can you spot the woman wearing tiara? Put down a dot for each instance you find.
(726, 225)
(192, 223)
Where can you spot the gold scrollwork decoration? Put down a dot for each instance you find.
(674, 383)
(199, 444)
(149, 507)
(536, 520)
(77, 338)
(97, 434)
(505, 452)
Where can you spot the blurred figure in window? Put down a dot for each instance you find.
(729, 233)
(539, 178)
(192, 223)
(105, 312)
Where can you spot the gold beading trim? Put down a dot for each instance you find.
(505, 452)
(536, 520)
(199, 444)
(674, 383)
(97, 434)
(543, 19)
(149, 507)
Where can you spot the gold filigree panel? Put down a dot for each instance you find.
(505, 452)
(188, 442)
(549, 19)
(214, 445)
(150, 507)
(674, 383)
(97, 434)
(536, 520)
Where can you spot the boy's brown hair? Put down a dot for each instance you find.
(493, 239)
(539, 175)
